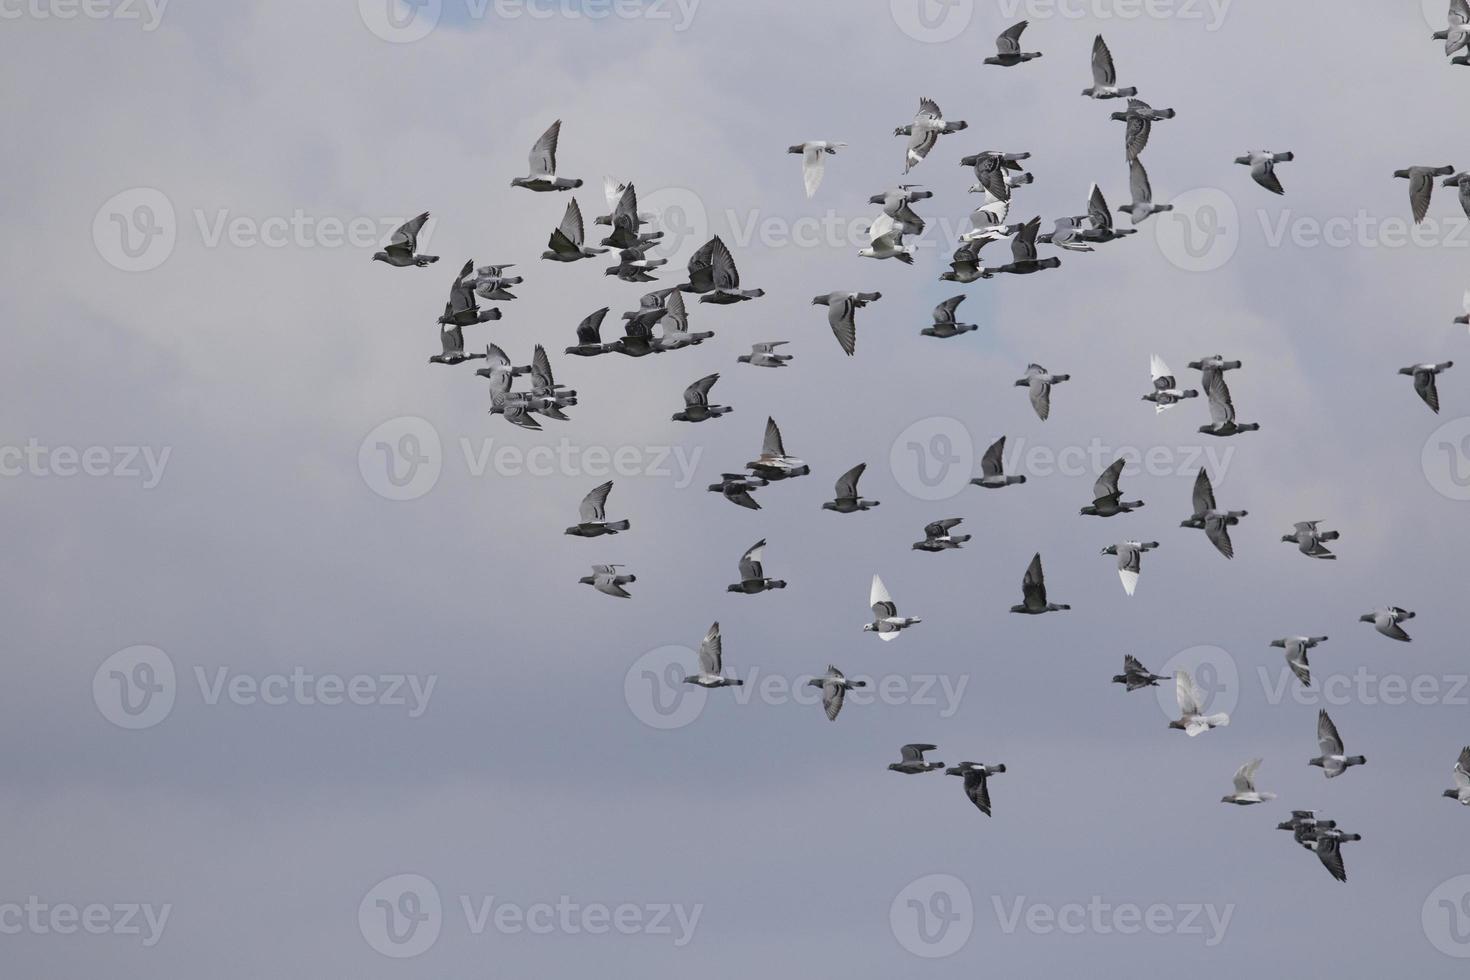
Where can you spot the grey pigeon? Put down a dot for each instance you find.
(713, 274)
(834, 685)
(634, 265)
(1424, 383)
(976, 781)
(928, 125)
(1386, 621)
(753, 578)
(897, 204)
(545, 396)
(1327, 845)
(1421, 186)
(1142, 192)
(607, 580)
(451, 339)
(991, 475)
(491, 282)
(626, 220)
(496, 362)
(1104, 75)
(696, 402)
(1101, 219)
(1308, 540)
(1332, 760)
(1008, 49)
(1038, 382)
(966, 267)
(1461, 793)
(996, 172)
(1222, 408)
(847, 499)
(1067, 233)
(1130, 560)
(514, 406)
(592, 519)
(1457, 34)
(738, 487)
(764, 354)
(1166, 393)
(1296, 648)
(813, 156)
(1140, 118)
(940, 536)
(1107, 499)
(712, 663)
(462, 310)
(402, 248)
(1136, 676)
(1033, 592)
(566, 242)
(945, 324)
(841, 308)
(589, 336)
(542, 162)
(1023, 252)
(774, 463)
(887, 623)
(1215, 523)
(674, 333)
(913, 759)
(1461, 183)
(1263, 167)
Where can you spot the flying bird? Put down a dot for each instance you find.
(1008, 51)
(928, 125)
(774, 463)
(1461, 774)
(496, 362)
(567, 241)
(992, 475)
(945, 324)
(1424, 381)
(491, 282)
(1100, 218)
(1461, 183)
(543, 165)
(1104, 75)
(996, 173)
(1107, 499)
(913, 759)
(1245, 786)
(1039, 381)
(1136, 676)
(1263, 168)
(1308, 540)
(1192, 719)
(1130, 560)
(834, 685)
(965, 266)
(1421, 186)
(592, 519)
(696, 402)
(402, 248)
(977, 776)
(897, 203)
(738, 487)
(1386, 621)
(847, 500)
(1457, 34)
(813, 161)
(1033, 592)
(1327, 845)
(764, 355)
(626, 221)
(1332, 760)
(462, 310)
(605, 579)
(940, 536)
(589, 336)
(1142, 192)
(885, 241)
(1140, 118)
(712, 273)
(451, 339)
(1215, 523)
(1222, 408)
(1296, 648)
(753, 578)
(1023, 252)
(1166, 393)
(841, 310)
(887, 623)
(712, 663)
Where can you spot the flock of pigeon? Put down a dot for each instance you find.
(661, 325)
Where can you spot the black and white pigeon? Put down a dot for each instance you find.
(1023, 252)
(764, 354)
(1421, 186)
(1245, 787)
(1387, 620)
(945, 324)
(696, 402)
(567, 241)
(1296, 648)
(1457, 35)
(496, 362)
(887, 623)
(1107, 499)
(885, 241)
(1327, 845)
(1136, 676)
(997, 172)
(834, 685)
(712, 663)
(462, 310)
(841, 310)
(847, 499)
(1222, 408)
(451, 340)
(607, 580)
(1332, 761)
(1142, 192)
(1104, 75)
(1215, 523)
(1461, 793)
(1424, 380)
(813, 159)
(712, 274)
(1130, 560)
(542, 162)
(774, 463)
(976, 776)
(966, 266)
(753, 578)
(929, 124)
(992, 475)
(1192, 719)
(897, 203)
(738, 487)
(589, 336)
(1038, 382)
(592, 519)
(939, 536)
(1166, 393)
(1263, 167)
(402, 248)
(1033, 592)
(1308, 538)
(1100, 220)
(913, 759)
(1008, 48)
(1140, 118)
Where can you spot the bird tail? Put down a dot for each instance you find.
(776, 584)
(960, 538)
(618, 525)
(1330, 535)
(1129, 92)
(1356, 760)
(998, 767)
(427, 259)
(1015, 479)
(1219, 720)
(1285, 157)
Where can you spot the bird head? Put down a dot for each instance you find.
(1245, 160)
(380, 256)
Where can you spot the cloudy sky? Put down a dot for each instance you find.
(300, 679)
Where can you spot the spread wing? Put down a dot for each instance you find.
(1327, 737)
(543, 154)
(978, 790)
(773, 446)
(1186, 694)
(1107, 484)
(1138, 183)
(1204, 493)
(750, 562)
(990, 463)
(1009, 42)
(1103, 72)
(1033, 583)
(1245, 777)
(726, 276)
(880, 600)
(589, 331)
(592, 509)
(406, 237)
(944, 312)
(711, 651)
(1222, 407)
(1097, 209)
(571, 224)
(847, 482)
(812, 168)
(698, 393)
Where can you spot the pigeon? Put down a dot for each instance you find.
(546, 397)
(764, 354)
(592, 519)
(885, 241)
(847, 500)
(887, 623)
(841, 308)
(1263, 168)
(1461, 792)
(1308, 540)
(543, 165)
(451, 338)
(1245, 786)
(737, 488)
(1424, 383)
(605, 579)
(1008, 52)
(945, 325)
(612, 192)
(1421, 186)
(462, 310)
(712, 663)
(991, 476)
(634, 265)
(514, 406)
(1332, 761)
(566, 242)
(673, 327)
(1136, 676)
(491, 282)
(1039, 381)
(940, 536)
(1461, 182)
(813, 155)
(712, 273)
(497, 362)
(774, 463)
(1067, 233)
(834, 685)
(1104, 75)
(696, 402)
(589, 336)
(752, 573)
(1304, 826)
(1166, 393)
(1142, 191)
(1033, 592)
(1296, 648)
(996, 172)
(1023, 252)
(1192, 719)
(402, 248)
(1457, 35)
(896, 204)
(913, 759)
(626, 220)
(1327, 846)
(965, 266)
(1107, 499)
(1140, 118)
(1222, 408)
(928, 125)
(638, 339)
(1101, 219)
(1386, 621)
(988, 221)
(1130, 559)
(976, 774)
(1215, 523)
(1215, 362)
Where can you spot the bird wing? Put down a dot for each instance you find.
(880, 600)
(990, 463)
(1222, 407)
(1421, 186)
(847, 482)
(1428, 390)
(726, 276)
(541, 378)
(543, 154)
(589, 331)
(592, 509)
(1135, 138)
(1040, 392)
(1186, 693)
(1327, 737)
(711, 651)
(1462, 769)
(1023, 245)
(1163, 378)
(832, 697)
(571, 224)
(1245, 777)
(1138, 183)
(1107, 484)
(1330, 852)
(407, 234)
(1264, 172)
(1033, 583)
(750, 562)
(772, 446)
(1097, 209)
(840, 316)
(944, 312)
(977, 789)
(1219, 534)
(1103, 72)
(914, 752)
(1204, 493)
(1009, 41)
(698, 393)
(812, 168)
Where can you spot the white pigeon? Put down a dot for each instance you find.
(1192, 718)
(813, 161)
(886, 621)
(886, 241)
(1245, 786)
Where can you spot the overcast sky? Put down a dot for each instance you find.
(214, 398)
